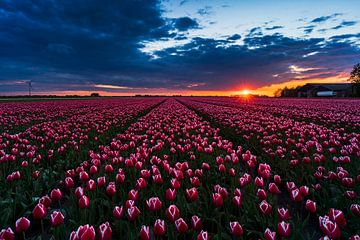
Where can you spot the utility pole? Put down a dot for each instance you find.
(30, 88)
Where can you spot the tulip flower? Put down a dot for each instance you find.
(181, 225)
(236, 229)
(196, 223)
(56, 194)
(191, 194)
(118, 212)
(329, 228)
(355, 209)
(310, 206)
(154, 204)
(145, 233)
(172, 212)
(170, 194)
(85, 232)
(283, 214)
(265, 207)
(22, 224)
(84, 202)
(104, 231)
(337, 216)
(284, 229)
(7, 234)
(159, 227)
(39, 211)
(133, 213)
(269, 235)
(203, 235)
(56, 218)
(111, 189)
(217, 200)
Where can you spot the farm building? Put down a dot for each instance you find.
(326, 90)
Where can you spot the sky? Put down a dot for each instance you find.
(190, 47)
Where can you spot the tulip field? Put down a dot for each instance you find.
(180, 168)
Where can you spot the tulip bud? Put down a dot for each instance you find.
(7, 234)
(84, 202)
(22, 224)
(145, 233)
(284, 229)
(236, 229)
(159, 227)
(105, 231)
(56, 218)
(39, 211)
(181, 225)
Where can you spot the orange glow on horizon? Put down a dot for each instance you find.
(268, 90)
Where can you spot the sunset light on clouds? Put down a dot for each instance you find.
(217, 47)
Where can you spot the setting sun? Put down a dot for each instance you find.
(245, 92)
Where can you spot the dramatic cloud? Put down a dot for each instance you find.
(73, 45)
(185, 23)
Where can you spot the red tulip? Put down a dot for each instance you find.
(141, 183)
(145, 233)
(45, 200)
(159, 227)
(85, 232)
(261, 194)
(284, 229)
(181, 225)
(79, 192)
(269, 235)
(105, 231)
(191, 194)
(69, 182)
(111, 189)
(337, 216)
(133, 195)
(56, 194)
(84, 202)
(22, 224)
(56, 218)
(196, 223)
(355, 209)
(259, 182)
(39, 211)
(329, 228)
(217, 200)
(172, 213)
(133, 213)
(91, 185)
(296, 196)
(118, 212)
(154, 204)
(101, 181)
(237, 201)
(310, 206)
(284, 214)
(236, 229)
(170, 194)
(7, 234)
(265, 207)
(203, 235)
(273, 188)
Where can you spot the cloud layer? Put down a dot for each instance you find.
(80, 45)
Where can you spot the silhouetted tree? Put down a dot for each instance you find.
(355, 78)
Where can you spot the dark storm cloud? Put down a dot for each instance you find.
(274, 28)
(73, 45)
(325, 18)
(345, 24)
(185, 23)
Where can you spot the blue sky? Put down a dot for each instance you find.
(182, 46)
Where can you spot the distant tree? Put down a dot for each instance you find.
(355, 78)
(94, 95)
(277, 93)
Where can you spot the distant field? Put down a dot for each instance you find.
(179, 168)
